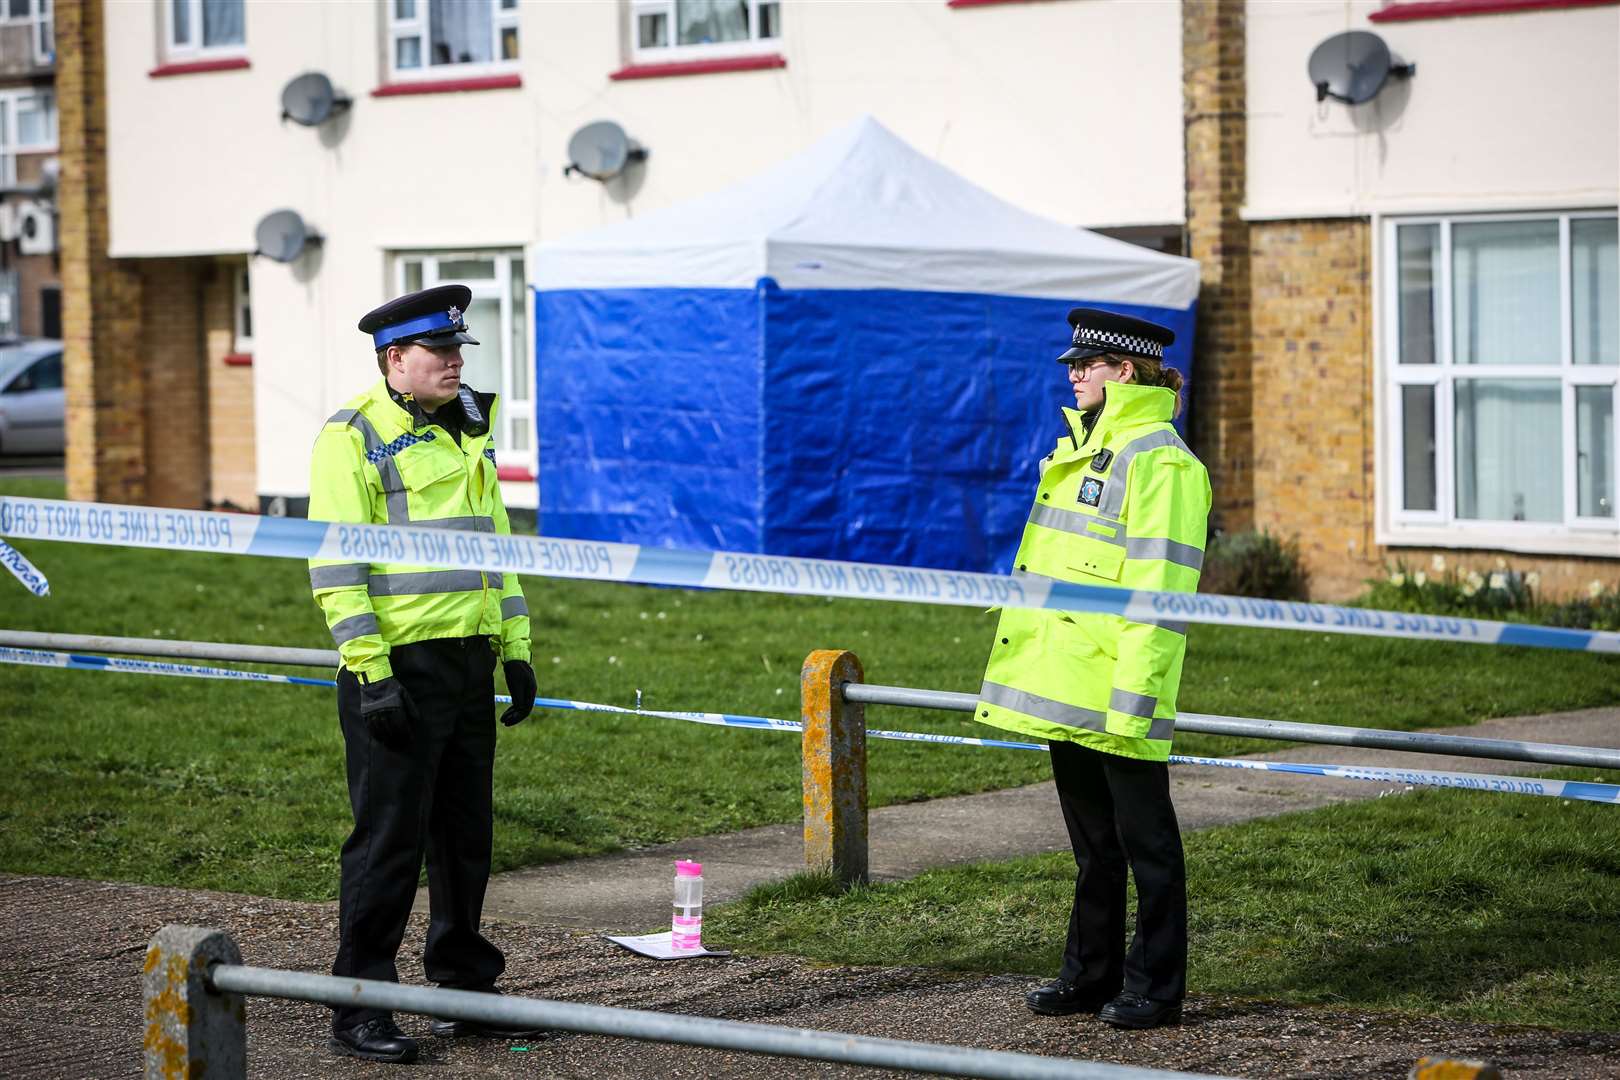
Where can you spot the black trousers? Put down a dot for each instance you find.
(1118, 813)
(433, 798)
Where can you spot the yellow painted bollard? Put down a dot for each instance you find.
(834, 766)
(193, 1032)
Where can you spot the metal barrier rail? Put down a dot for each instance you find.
(1417, 742)
(194, 981)
(186, 650)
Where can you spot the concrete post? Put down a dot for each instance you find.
(834, 766)
(192, 1031)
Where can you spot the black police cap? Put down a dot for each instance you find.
(1099, 332)
(431, 317)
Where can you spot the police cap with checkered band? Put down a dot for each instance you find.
(432, 317)
(1097, 333)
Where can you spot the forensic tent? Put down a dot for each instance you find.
(849, 356)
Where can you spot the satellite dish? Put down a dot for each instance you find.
(283, 236)
(601, 151)
(310, 100)
(1352, 67)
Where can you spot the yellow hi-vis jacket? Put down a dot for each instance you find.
(1126, 505)
(375, 464)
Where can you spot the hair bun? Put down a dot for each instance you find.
(1173, 379)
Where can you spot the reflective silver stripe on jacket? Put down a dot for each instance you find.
(431, 581)
(1132, 704)
(479, 523)
(399, 507)
(1057, 712)
(1073, 521)
(512, 607)
(1153, 547)
(338, 575)
(355, 626)
(1113, 496)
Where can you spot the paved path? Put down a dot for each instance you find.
(629, 891)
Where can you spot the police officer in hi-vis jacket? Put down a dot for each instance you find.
(419, 647)
(1121, 502)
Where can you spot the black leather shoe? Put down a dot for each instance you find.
(378, 1039)
(460, 1029)
(1060, 997)
(1135, 1011)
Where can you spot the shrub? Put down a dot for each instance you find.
(1254, 564)
(1499, 593)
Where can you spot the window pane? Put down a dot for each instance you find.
(413, 276)
(482, 370)
(520, 435)
(770, 20)
(462, 31)
(519, 389)
(652, 31)
(222, 22)
(1596, 285)
(407, 53)
(509, 43)
(1417, 447)
(703, 22)
(467, 270)
(33, 127)
(404, 9)
(1509, 434)
(1504, 292)
(1594, 451)
(180, 21)
(17, 9)
(1419, 258)
(47, 372)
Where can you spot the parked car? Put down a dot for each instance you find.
(31, 400)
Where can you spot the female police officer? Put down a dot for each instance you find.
(1121, 502)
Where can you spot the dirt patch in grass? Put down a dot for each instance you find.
(71, 952)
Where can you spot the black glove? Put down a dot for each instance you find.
(388, 712)
(520, 684)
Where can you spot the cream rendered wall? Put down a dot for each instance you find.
(1071, 109)
(1506, 111)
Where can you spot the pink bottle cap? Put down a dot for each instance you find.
(688, 869)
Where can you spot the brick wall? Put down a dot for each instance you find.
(176, 396)
(1214, 100)
(232, 478)
(101, 300)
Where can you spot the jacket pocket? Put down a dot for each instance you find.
(1094, 558)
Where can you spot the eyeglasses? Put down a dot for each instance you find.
(1084, 368)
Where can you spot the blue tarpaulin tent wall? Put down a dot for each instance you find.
(850, 356)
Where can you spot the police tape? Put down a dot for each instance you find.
(295, 538)
(23, 570)
(1585, 791)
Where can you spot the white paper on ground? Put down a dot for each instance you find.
(658, 947)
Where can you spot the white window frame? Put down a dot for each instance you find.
(10, 147)
(41, 22)
(242, 310)
(1573, 535)
(194, 49)
(497, 288)
(719, 50)
(419, 26)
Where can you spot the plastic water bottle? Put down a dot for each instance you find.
(686, 927)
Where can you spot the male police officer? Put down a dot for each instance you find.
(419, 646)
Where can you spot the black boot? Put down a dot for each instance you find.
(1131, 1010)
(1060, 997)
(377, 1039)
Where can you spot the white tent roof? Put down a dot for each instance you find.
(861, 209)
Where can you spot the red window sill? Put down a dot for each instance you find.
(197, 67)
(237, 359)
(701, 67)
(450, 86)
(1445, 9)
(519, 473)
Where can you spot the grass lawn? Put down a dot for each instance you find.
(1469, 905)
(240, 787)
